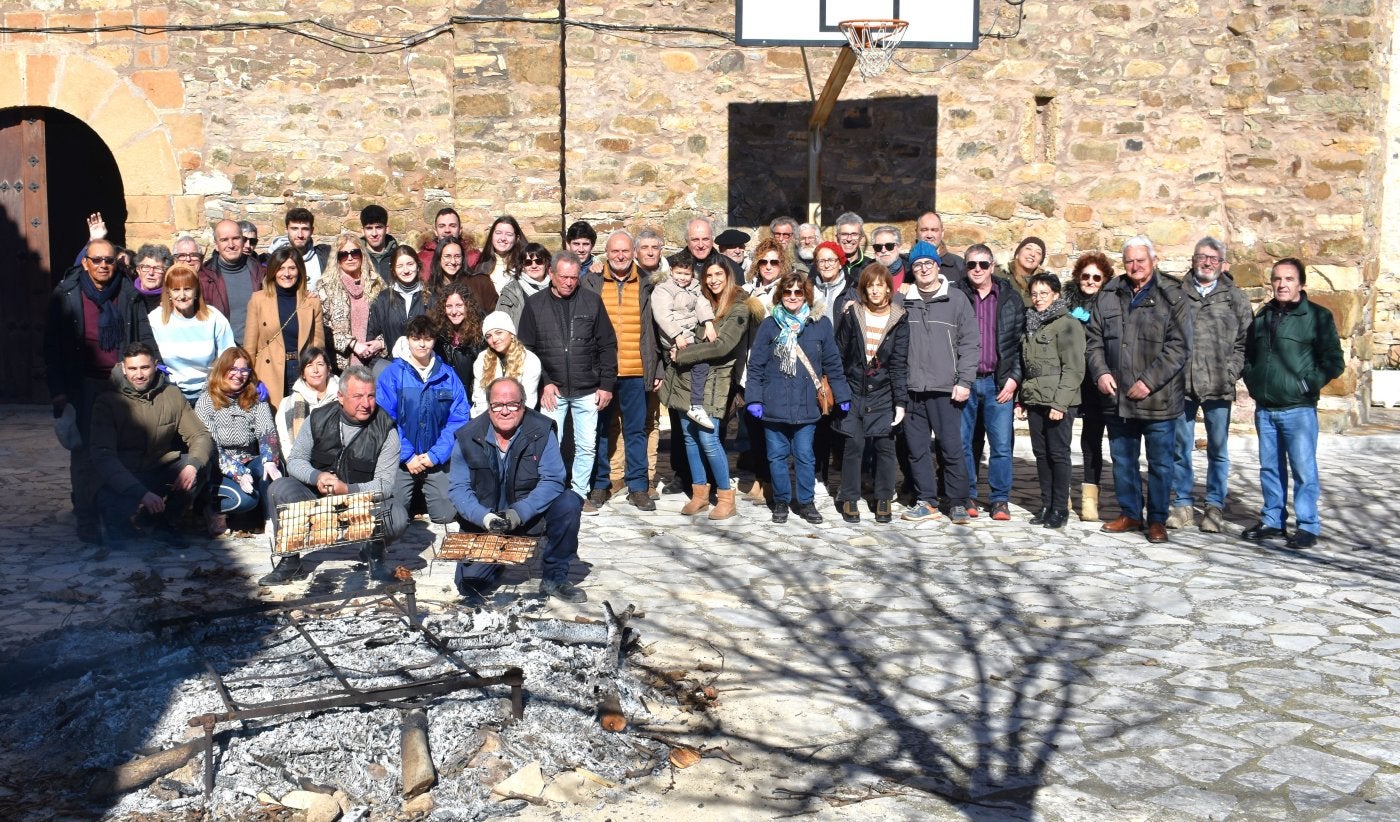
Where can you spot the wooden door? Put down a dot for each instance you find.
(24, 257)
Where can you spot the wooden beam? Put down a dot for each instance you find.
(845, 61)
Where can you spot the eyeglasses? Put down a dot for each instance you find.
(1091, 277)
(828, 261)
(187, 255)
(767, 262)
(794, 292)
(104, 261)
(1206, 258)
(922, 264)
(847, 235)
(238, 372)
(506, 407)
(345, 255)
(884, 246)
(535, 261)
(979, 264)
(150, 269)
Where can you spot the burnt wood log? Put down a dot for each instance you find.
(141, 772)
(417, 761)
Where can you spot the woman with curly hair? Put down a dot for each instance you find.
(346, 292)
(457, 316)
(501, 260)
(772, 260)
(245, 437)
(504, 356)
(1092, 271)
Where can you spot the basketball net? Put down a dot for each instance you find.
(873, 42)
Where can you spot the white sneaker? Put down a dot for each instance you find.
(698, 415)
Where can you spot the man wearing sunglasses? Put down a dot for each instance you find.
(1001, 319)
(884, 243)
(229, 278)
(90, 321)
(1137, 350)
(301, 230)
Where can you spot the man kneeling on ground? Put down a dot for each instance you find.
(137, 432)
(347, 447)
(508, 478)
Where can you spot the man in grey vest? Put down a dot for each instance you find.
(348, 447)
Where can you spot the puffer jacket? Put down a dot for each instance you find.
(514, 295)
(653, 368)
(1219, 325)
(1053, 364)
(880, 385)
(943, 341)
(135, 432)
(792, 398)
(574, 340)
(388, 316)
(1289, 358)
(724, 355)
(1149, 343)
(1011, 325)
(427, 412)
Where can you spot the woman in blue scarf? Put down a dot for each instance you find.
(791, 352)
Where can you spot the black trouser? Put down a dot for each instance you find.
(1050, 442)
(118, 507)
(851, 467)
(930, 413)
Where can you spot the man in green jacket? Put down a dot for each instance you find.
(1291, 352)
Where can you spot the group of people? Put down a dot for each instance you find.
(516, 389)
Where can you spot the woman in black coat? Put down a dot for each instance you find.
(403, 300)
(872, 337)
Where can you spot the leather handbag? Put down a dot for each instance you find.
(825, 402)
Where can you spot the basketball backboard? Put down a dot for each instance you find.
(933, 24)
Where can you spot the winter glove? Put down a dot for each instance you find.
(845, 407)
(755, 408)
(512, 519)
(495, 523)
(898, 417)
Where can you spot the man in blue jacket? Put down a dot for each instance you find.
(508, 478)
(428, 403)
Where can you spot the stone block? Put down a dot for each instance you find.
(1116, 188)
(1094, 152)
(1000, 209)
(679, 61)
(1317, 191)
(149, 208)
(122, 115)
(189, 212)
(162, 87)
(23, 20)
(1143, 69)
(1078, 213)
(12, 92)
(148, 166)
(123, 17)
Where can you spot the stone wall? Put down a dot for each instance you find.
(1260, 123)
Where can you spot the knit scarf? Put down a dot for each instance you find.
(1035, 320)
(109, 319)
(789, 326)
(359, 308)
(406, 292)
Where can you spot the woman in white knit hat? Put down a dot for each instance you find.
(504, 357)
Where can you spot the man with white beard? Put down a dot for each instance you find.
(809, 236)
(1219, 315)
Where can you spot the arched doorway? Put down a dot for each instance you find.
(54, 171)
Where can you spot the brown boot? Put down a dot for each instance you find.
(756, 493)
(1089, 503)
(699, 500)
(724, 505)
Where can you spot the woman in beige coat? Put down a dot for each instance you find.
(282, 320)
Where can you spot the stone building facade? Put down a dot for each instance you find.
(1268, 125)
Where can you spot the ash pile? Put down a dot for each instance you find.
(350, 707)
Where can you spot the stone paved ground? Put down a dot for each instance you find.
(996, 671)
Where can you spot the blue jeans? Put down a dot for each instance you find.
(787, 439)
(234, 500)
(1125, 439)
(630, 400)
(1217, 415)
(560, 548)
(705, 449)
(997, 421)
(583, 410)
(1288, 439)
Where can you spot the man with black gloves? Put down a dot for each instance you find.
(507, 477)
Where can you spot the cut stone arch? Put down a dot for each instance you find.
(138, 116)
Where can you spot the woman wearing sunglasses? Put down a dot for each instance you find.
(792, 350)
(771, 260)
(532, 279)
(1091, 272)
(346, 293)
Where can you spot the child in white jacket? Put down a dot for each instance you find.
(680, 310)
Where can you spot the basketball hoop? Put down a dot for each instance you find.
(873, 42)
